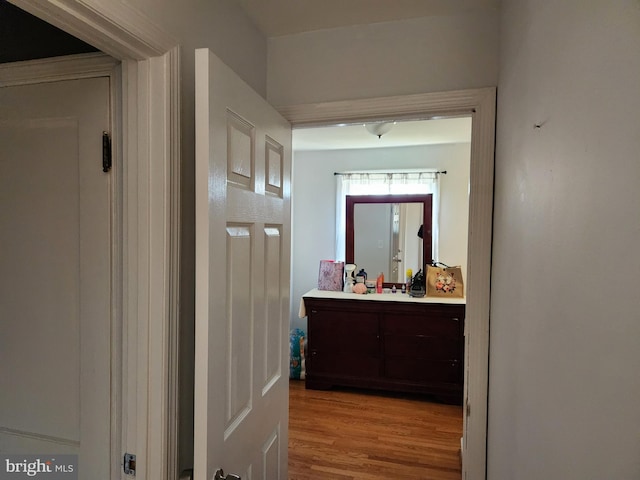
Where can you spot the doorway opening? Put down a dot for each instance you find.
(480, 106)
(441, 145)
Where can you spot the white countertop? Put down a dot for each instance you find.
(375, 297)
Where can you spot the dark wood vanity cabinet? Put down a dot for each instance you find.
(410, 347)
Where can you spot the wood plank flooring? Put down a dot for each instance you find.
(356, 435)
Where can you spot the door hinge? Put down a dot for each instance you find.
(106, 152)
(130, 464)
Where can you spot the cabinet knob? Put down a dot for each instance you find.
(314, 353)
(455, 319)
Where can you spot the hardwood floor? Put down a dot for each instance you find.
(355, 435)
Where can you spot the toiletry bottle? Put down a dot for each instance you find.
(409, 276)
(379, 283)
(361, 276)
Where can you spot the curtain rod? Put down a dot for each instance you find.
(443, 172)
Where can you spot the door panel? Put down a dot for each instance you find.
(243, 169)
(40, 218)
(55, 259)
(274, 333)
(239, 326)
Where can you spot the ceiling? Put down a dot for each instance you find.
(284, 17)
(402, 134)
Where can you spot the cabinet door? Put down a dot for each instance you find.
(343, 344)
(423, 347)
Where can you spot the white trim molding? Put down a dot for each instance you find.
(149, 221)
(480, 104)
(419, 106)
(85, 65)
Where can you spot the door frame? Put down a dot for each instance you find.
(147, 221)
(480, 104)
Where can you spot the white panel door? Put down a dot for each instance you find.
(55, 280)
(243, 169)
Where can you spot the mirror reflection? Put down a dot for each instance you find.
(383, 234)
(387, 239)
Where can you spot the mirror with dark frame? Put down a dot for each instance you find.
(382, 234)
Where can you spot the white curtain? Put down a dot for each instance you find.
(385, 183)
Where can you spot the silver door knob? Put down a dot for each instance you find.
(221, 476)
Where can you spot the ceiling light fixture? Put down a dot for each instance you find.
(378, 129)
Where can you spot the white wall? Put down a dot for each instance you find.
(565, 315)
(314, 204)
(420, 55)
(220, 25)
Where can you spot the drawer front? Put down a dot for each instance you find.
(423, 371)
(424, 324)
(324, 362)
(421, 347)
